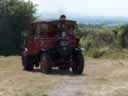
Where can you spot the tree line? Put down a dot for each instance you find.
(15, 17)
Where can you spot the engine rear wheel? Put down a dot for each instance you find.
(78, 64)
(27, 62)
(45, 63)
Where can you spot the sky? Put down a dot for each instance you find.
(84, 7)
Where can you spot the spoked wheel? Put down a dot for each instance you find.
(78, 64)
(27, 62)
(45, 63)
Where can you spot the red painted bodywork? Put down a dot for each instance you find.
(36, 43)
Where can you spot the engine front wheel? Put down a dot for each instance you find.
(78, 64)
(45, 63)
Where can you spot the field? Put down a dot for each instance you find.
(102, 77)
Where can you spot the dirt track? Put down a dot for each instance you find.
(104, 77)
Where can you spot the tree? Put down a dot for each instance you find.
(15, 17)
(124, 36)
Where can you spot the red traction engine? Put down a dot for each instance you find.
(53, 43)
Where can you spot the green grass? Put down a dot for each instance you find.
(114, 54)
(123, 53)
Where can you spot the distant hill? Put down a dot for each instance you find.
(102, 20)
(93, 20)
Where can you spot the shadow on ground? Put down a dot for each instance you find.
(60, 72)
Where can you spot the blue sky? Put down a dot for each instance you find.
(84, 7)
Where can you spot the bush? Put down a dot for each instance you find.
(95, 53)
(97, 41)
(97, 38)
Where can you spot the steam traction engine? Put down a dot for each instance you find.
(53, 43)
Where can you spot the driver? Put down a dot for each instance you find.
(62, 23)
